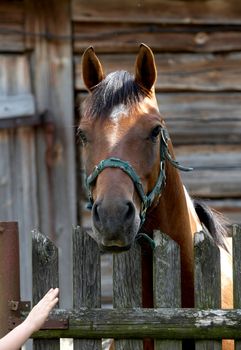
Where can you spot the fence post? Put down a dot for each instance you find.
(86, 280)
(167, 281)
(237, 273)
(127, 288)
(9, 271)
(207, 280)
(45, 276)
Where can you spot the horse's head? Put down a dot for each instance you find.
(120, 129)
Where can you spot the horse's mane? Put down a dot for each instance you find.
(217, 225)
(117, 88)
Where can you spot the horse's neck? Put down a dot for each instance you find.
(175, 216)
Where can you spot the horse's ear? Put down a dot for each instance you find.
(145, 68)
(91, 69)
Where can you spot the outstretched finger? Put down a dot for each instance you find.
(51, 294)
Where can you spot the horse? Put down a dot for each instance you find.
(133, 179)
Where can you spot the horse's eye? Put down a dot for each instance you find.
(155, 133)
(82, 137)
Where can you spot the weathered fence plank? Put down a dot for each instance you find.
(237, 272)
(162, 323)
(167, 281)
(127, 288)
(86, 280)
(207, 280)
(45, 276)
(158, 323)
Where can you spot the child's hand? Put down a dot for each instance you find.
(40, 312)
(18, 336)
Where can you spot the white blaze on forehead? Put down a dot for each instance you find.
(117, 113)
(112, 137)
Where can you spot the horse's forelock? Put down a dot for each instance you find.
(118, 88)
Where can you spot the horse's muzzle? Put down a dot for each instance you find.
(115, 224)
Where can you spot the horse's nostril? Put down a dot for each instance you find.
(130, 212)
(95, 214)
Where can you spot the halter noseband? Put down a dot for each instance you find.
(148, 199)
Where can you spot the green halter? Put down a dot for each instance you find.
(148, 199)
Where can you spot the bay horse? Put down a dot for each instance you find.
(133, 180)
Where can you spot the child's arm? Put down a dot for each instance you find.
(19, 335)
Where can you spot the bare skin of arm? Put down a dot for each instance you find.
(37, 316)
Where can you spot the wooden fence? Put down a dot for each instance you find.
(167, 323)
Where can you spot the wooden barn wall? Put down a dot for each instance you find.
(197, 46)
(37, 146)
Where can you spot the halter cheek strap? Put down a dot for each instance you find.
(148, 199)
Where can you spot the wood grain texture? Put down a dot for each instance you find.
(18, 164)
(166, 269)
(86, 280)
(213, 183)
(207, 280)
(237, 265)
(154, 11)
(237, 272)
(16, 106)
(15, 76)
(121, 37)
(167, 281)
(45, 276)
(202, 118)
(216, 170)
(53, 86)
(12, 26)
(162, 323)
(127, 288)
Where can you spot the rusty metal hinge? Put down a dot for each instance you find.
(19, 305)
